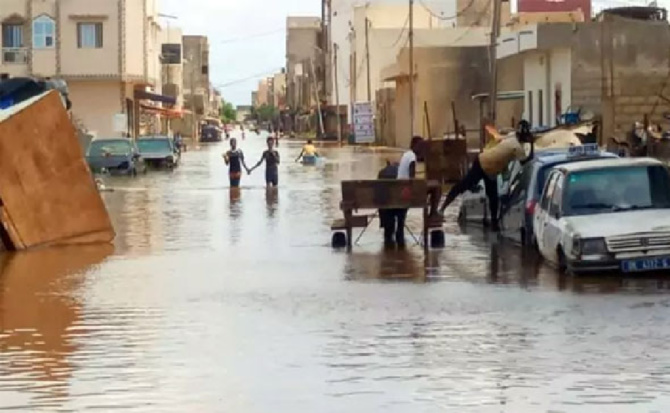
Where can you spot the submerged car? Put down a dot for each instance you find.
(158, 151)
(606, 215)
(210, 133)
(116, 156)
(520, 188)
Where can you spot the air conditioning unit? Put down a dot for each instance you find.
(14, 56)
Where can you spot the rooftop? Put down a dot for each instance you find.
(303, 22)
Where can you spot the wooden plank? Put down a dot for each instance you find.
(48, 192)
(446, 159)
(383, 193)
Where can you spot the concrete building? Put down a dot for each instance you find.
(620, 79)
(479, 13)
(279, 90)
(172, 58)
(303, 61)
(105, 50)
(243, 113)
(548, 6)
(196, 86)
(263, 93)
(444, 75)
(254, 99)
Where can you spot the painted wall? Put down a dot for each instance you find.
(534, 6)
(135, 41)
(95, 103)
(103, 61)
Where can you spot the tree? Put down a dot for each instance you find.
(228, 113)
(264, 113)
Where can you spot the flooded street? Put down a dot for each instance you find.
(214, 301)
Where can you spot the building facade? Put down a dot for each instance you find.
(304, 65)
(567, 65)
(105, 50)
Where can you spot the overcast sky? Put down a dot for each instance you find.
(240, 46)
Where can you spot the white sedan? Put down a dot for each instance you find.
(606, 215)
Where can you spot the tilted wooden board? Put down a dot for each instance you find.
(383, 193)
(47, 189)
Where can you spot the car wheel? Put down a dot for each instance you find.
(462, 216)
(522, 237)
(563, 266)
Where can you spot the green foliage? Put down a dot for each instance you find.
(264, 113)
(228, 112)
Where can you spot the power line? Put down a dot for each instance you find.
(256, 76)
(252, 36)
(440, 17)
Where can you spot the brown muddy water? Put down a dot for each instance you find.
(213, 301)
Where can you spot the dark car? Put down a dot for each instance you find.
(210, 133)
(158, 151)
(520, 189)
(118, 156)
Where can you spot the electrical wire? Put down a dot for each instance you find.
(439, 17)
(233, 82)
(252, 36)
(480, 15)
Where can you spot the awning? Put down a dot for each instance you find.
(164, 112)
(141, 94)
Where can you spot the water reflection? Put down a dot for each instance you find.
(386, 265)
(272, 201)
(37, 309)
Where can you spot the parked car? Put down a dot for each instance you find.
(117, 156)
(210, 133)
(158, 151)
(520, 188)
(606, 214)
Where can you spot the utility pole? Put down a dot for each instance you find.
(367, 56)
(495, 33)
(411, 66)
(337, 96)
(316, 94)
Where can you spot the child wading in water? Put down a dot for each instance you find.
(271, 158)
(235, 160)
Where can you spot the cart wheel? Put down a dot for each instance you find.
(437, 239)
(339, 240)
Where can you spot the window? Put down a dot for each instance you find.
(205, 70)
(555, 206)
(530, 107)
(12, 36)
(548, 191)
(89, 35)
(540, 108)
(44, 32)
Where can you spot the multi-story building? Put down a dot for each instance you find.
(107, 51)
(263, 93)
(304, 68)
(279, 90)
(197, 94)
(254, 99)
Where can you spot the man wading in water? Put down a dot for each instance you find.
(271, 158)
(235, 160)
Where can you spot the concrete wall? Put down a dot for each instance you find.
(95, 103)
(87, 62)
(619, 72)
(133, 42)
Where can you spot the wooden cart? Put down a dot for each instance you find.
(446, 160)
(386, 194)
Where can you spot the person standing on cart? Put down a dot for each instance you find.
(491, 162)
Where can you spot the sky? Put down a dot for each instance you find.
(233, 27)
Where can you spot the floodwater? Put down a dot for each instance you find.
(216, 301)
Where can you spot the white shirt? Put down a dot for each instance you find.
(407, 159)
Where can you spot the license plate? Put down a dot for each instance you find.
(646, 264)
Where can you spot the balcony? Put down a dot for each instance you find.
(14, 55)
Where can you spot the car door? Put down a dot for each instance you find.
(552, 230)
(513, 206)
(542, 211)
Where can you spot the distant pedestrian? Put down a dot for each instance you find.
(271, 158)
(235, 160)
(308, 153)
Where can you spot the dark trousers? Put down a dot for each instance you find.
(472, 178)
(393, 222)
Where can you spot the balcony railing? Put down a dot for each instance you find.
(14, 55)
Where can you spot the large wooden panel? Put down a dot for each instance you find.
(446, 160)
(381, 193)
(47, 189)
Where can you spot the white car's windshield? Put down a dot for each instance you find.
(617, 189)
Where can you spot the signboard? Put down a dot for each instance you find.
(171, 53)
(364, 124)
(120, 123)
